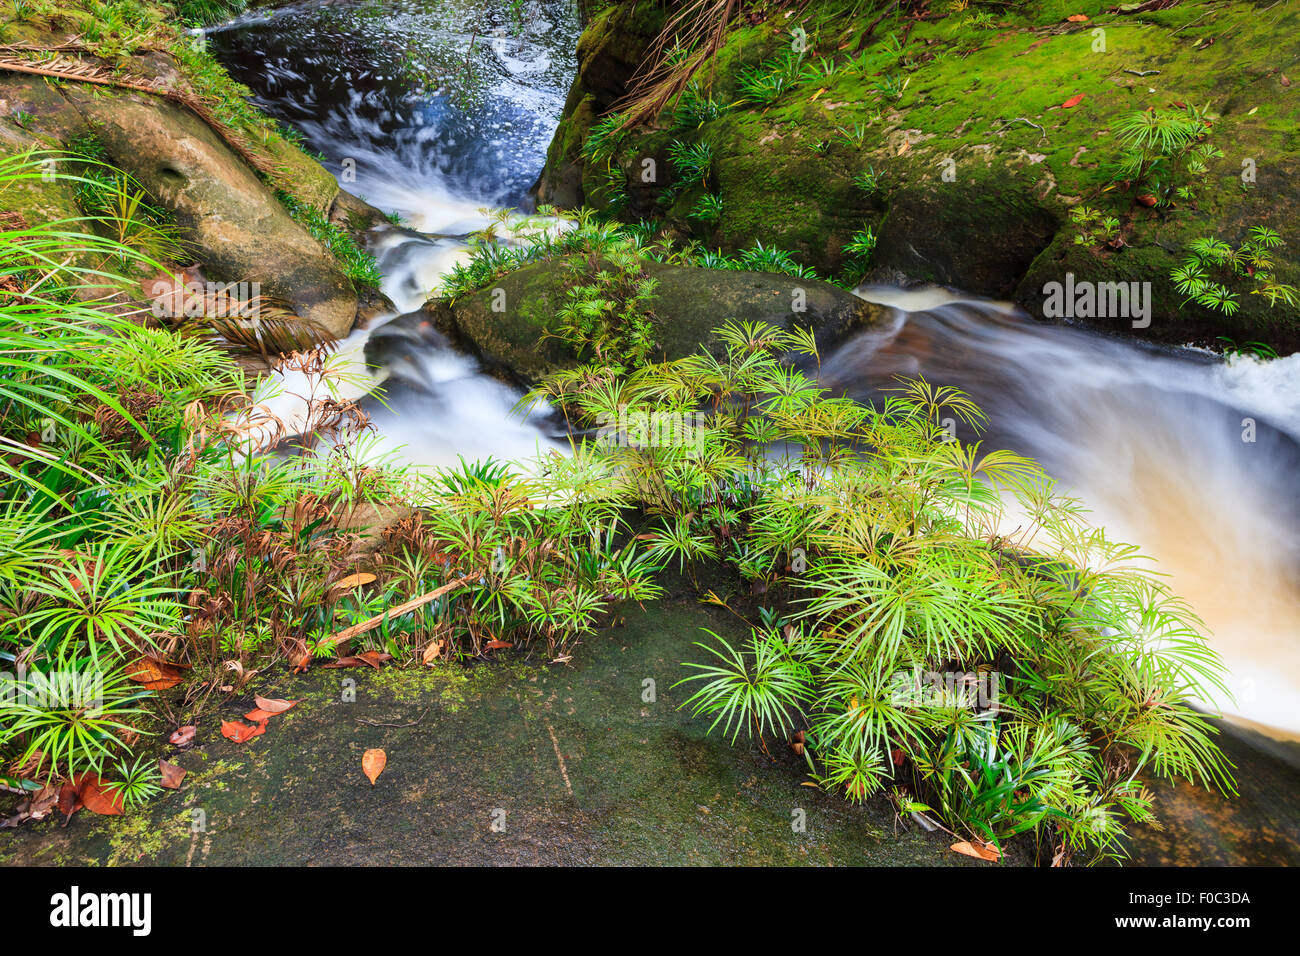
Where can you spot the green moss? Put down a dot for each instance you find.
(987, 103)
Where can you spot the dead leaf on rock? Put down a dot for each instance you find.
(373, 763)
(97, 795)
(241, 733)
(172, 775)
(273, 705)
(979, 851)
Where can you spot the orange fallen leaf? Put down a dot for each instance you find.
(353, 581)
(69, 801)
(978, 851)
(183, 735)
(374, 658)
(1283, 80)
(241, 733)
(1077, 17)
(1146, 199)
(172, 775)
(1073, 101)
(257, 714)
(97, 796)
(273, 705)
(154, 674)
(434, 650)
(373, 763)
(495, 645)
(303, 663)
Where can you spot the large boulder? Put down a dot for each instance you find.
(688, 305)
(978, 159)
(240, 231)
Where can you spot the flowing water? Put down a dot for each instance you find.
(436, 109)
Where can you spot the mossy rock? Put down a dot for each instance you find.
(688, 304)
(239, 230)
(609, 51)
(980, 162)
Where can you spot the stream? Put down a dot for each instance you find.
(437, 110)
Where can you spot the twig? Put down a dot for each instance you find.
(411, 605)
(1142, 72)
(1027, 122)
(376, 723)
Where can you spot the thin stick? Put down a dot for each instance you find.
(411, 605)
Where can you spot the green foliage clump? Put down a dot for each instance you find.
(1210, 263)
(357, 264)
(886, 553)
(1162, 150)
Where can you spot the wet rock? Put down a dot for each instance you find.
(689, 304)
(239, 230)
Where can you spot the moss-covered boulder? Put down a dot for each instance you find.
(947, 133)
(507, 325)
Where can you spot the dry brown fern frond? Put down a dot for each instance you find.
(699, 27)
(65, 67)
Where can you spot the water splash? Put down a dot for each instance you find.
(1192, 458)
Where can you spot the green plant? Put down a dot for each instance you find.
(1094, 228)
(694, 108)
(138, 781)
(359, 266)
(1162, 149)
(868, 180)
(875, 537)
(1211, 263)
(691, 160)
(759, 690)
(708, 208)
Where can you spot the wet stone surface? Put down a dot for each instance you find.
(573, 767)
(573, 762)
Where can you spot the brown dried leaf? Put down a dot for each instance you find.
(977, 850)
(183, 736)
(98, 796)
(373, 763)
(172, 775)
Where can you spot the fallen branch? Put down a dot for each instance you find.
(393, 612)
